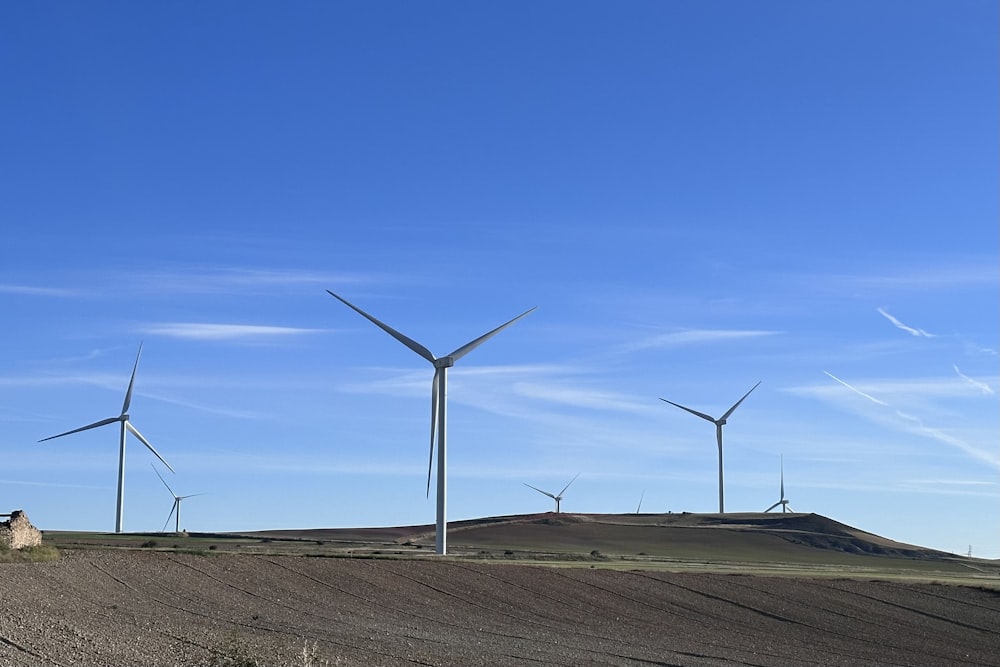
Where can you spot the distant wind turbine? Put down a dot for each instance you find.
(439, 401)
(126, 426)
(554, 496)
(783, 501)
(641, 496)
(177, 503)
(719, 423)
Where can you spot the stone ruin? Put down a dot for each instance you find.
(17, 532)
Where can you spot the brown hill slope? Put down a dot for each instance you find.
(741, 536)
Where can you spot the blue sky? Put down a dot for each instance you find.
(696, 195)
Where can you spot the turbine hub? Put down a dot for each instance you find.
(444, 362)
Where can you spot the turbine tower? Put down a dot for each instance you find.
(719, 423)
(176, 505)
(439, 402)
(783, 502)
(554, 496)
(126, 427)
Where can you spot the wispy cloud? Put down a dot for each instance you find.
(856, 390)
(193, 280)
(694, 337)
(899, 325)
(970, 272)
(981, 386)
(54, 485)
(915, 425)
(29, 290)
(207, 331)
(920, 428)
(580, 397)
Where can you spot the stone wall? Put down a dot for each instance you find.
(18, 532)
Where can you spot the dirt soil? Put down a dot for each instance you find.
(107, 607)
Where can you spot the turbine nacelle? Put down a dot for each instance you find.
(444, 362)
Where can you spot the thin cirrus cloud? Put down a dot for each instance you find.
(30, 290)
(694, 337)
(207, 331)
(913, 424)
(913, 331)
(981, 386)
(242, 280)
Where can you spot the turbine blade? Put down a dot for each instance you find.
(544, 493)
(737, 404)
(143, 440)
(772, 507)
(103, 422)
(163, 480)
(567, 486)
(469, 347)
(405, 340)
(641, 496)
(131, 382)
(694, 412)
(172, 508)
(789, 507)
(191, 495)
(434, 419)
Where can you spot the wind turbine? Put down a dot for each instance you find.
(641, 496)
(126, 427)
(439, 404)
(719, 423)
(783, 502)
(177, 503)
(556, 497)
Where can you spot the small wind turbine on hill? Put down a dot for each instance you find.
(439, 400)
(177, 503)
(554, 496)
(126, 427)
(783, 501)
(719, 423)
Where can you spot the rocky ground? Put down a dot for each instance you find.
(107, 607)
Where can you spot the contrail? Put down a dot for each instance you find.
(981, 386)
(900, 325)
(941, 436)
(857, 391)
(920, 427)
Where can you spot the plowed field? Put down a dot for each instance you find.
(157, 608)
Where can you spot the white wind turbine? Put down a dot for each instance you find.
(439, 403)
(554, 496)
(177, 503)
(126, 427)
(784, 501)
(719, 423)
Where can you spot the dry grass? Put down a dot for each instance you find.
(40, 554)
